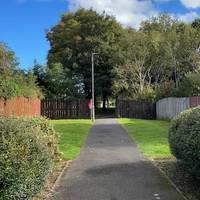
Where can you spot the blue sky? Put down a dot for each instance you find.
(23, 22)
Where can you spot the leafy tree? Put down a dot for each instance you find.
(175, 44)
(190, 85)
(7, 57)
(135, 72)
(57, 82)
(13, 81)
(157, 57)
(196, 24)
(165, 89)
(76, 37)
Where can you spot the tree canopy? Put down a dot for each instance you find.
(14, 81)
(76, 37)
(144, 64)
(163, 50)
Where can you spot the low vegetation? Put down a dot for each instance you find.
(150, 135)
(14, 81)
(28, 150)
(184, 139)
(72, 135)
(152, 138)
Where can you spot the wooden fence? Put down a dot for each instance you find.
(135, 109)
(194, 101)
(19, 106)
(65, 109)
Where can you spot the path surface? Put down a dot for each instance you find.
(110, 167)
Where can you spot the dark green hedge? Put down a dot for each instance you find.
(184, 139)
(27, 149)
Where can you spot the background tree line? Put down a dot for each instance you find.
(160, 59)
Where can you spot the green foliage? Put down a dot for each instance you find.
(27, 150)
(7, 57)
(8, 85)
(44, 132)
(196, 24)
(76, 37)
(165, 89)
(156, 56)
(59, 83)
(148, 94)
(15, 82)
(184, 139)
(131, 78)
(190, 85)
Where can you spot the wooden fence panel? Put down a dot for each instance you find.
(19, 106)
(65, 109)
(135, 109)
(194, 101)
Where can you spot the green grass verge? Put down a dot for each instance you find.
(72, 136)
(150, 135)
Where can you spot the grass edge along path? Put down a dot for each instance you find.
(151, 136)
(72, 136)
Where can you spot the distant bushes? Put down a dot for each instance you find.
(184, 139)
(28, 149)
(14, 81)
(17, 83)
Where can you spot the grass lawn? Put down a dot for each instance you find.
(72, 136)
(150, 135)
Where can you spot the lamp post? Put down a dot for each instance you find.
(93, 107)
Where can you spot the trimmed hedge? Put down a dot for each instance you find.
(184, 139)
(27, 150)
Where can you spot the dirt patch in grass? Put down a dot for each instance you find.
(47, 191)
(179, 175)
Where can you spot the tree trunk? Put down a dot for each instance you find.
(104, 102)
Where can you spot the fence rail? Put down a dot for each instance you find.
(135, 109)
(65, 109)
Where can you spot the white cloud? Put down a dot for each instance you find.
(130, 12)
(127, 12)
(188, 17)
(191, 3)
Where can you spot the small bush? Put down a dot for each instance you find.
(165, 89)
(44, 131)
(184, 139)
(27, 147)
(147, 95)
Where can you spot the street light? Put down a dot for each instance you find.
(93, 107)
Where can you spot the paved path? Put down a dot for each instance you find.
(110, 167)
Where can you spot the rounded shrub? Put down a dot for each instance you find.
(44, 131)
(184, 139)
(25, 160)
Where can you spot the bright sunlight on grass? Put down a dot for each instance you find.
(72, 136)
(150, 135)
